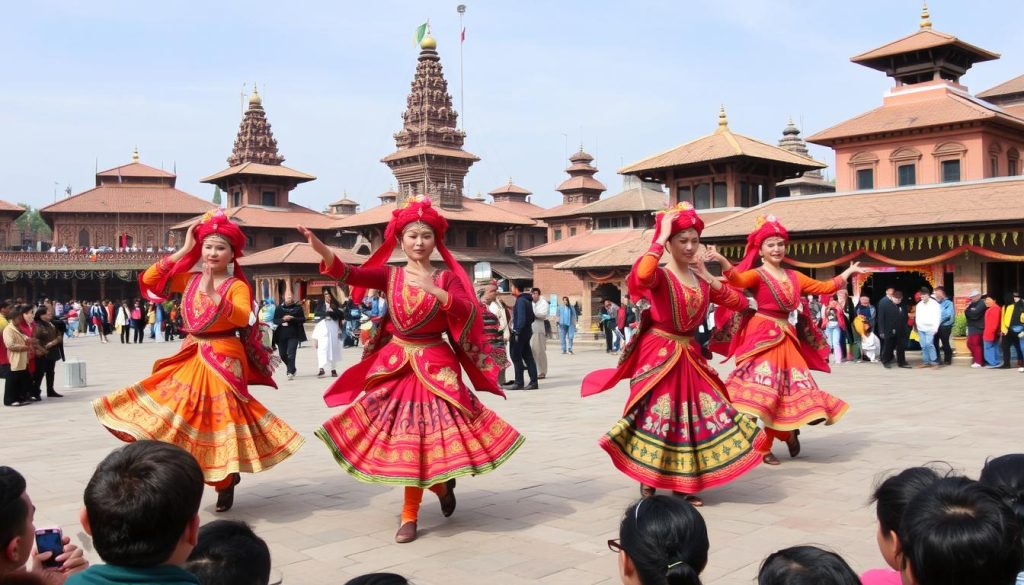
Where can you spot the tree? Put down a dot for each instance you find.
(32, 226)
(216, 195)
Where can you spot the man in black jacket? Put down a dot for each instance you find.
(289, 318)
(892, 328)
(521, 329)
(975, 315)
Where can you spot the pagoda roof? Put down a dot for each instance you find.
(429, 150)
(297, 253)
(723, 144)
(131, 198)
(581, 243)
(511, 189)
(259, 216)
(918, 208)
(135, 169)
(620, 254)
(635, 199)
(260, 170)
(524, 208)
(472, 211)
(951, 106)
(580, 183)
(1015, 85)
(344, 201)
(563, 210)
(8, 206)
(922, 39)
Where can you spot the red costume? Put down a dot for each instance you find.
(678, 430)
(774, 359)
(412, 420)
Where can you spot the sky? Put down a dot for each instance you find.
(83, 83)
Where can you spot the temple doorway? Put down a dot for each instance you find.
(908, 283)
(1003, 278)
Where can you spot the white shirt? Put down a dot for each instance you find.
(928, 316)
(540, 310)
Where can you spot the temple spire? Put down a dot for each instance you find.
(255, 142)
(926, 21)
(135, 155)
(723, 121)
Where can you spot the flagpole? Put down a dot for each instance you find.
(462, 75)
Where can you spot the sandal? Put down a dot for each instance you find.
(793, 443)
(448, 499)
(646, 491)
(226, 498)
(693, 500)
(770, 459)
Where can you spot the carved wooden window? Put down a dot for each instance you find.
(863, 165)
(558, 235)
(83, 238)
(904, 160)
(1012, 162)
(950, 156)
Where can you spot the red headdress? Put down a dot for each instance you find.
(766, 226)
(686, 219)
(416, 209)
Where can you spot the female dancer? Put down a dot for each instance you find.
(327, 334)
(772, 380)
(678, 430)
(417, 425)
(199, 398)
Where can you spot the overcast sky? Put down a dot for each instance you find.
(82, 83)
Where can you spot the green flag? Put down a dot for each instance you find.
(421, 31)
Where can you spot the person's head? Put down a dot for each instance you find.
(565, 301)
(490, 293)
(608, 303)
(940, 293)
(17, 533)
(5, 307)
(418, 241)
(1005, 475)
(1015, 296)
(535, 293)
(662, 540)
(378, 579)
(773, 250)
(329, 298)
(891, 497)
(897, 295)
(217, 252)
(990, 301)
(43, 313)
(23, 313)
(958, 531)
(683, 241)
(974, 295)
(865, 301)
(890, 291)
(867, 328)
(805, 565)
(518, 286)
(228, 552)
(288, 298)
(131, 488)
(842, 295)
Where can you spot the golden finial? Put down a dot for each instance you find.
(254, 97)
(510, 179)
(428, 42)
(723, 122)
(135, 155)
(926, 21)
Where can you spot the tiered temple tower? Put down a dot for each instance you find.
(430, 159)
(810, 182)
(581, 188)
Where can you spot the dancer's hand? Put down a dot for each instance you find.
(319, 247)
(206, 287)
(190, 242)
(422, 281)
(855, 268)
(711, 254)
(666, 227)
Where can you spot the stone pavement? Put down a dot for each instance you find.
(544, 517)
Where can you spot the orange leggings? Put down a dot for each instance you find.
(413, 497)
(774, 434)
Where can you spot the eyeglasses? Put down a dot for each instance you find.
(614, 545)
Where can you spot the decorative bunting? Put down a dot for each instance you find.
(930, 239)
(970, 239)
(1015, 238)
(1002, 237)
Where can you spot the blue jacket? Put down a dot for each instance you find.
(566, 315)
(522, 314)
(948, 313)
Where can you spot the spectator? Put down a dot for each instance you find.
(928, 317)
(948, 314)
(662, 539)
(957, 531)
(892, 328)
(501, 314)
(975, 314)
(379, 579)
(833, 325)
(50, 349)
(891, 498)
(539, 341)
(17, 535)
(629, 320)
(519, 347)
(20, 347)
(805, 565)
(1012, 327)
(870, 346)
(993, 319)
(123, 321)
(290, 332)
(228, 552)
(612, 335)
(566, 324)
(6, 307)
(138, 316)
(1006, 476)
(133, 486)
(847, 333)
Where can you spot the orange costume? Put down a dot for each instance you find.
(199, 398)
(678, 430)
(772, 380)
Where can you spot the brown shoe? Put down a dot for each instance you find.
(770, 459)
(646, 491)
(406, 533)
(693, 500)
(793, 443)
(448, 499)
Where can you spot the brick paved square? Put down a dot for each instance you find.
(544, 517)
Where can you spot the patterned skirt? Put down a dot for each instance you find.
(401, 433)
(684, 436)
(191, 407)
(776, 386)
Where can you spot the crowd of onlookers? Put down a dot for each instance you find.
(935, 527)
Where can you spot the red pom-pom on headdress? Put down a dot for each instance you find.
(686, 219)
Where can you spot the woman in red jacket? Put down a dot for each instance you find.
(993, 322)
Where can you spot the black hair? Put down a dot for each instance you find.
(925, 290)
(959, 531)
(38, 316)
(140, 500)
(6, 303)
(23, 308)
(535, 290)
(666, 539)
(519, 283)
(938, 288)
(228, 552)
(894, 493)
(13, 510)
(379, 579)
(805, 565)
(1005, 475)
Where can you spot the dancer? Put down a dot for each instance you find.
(417, 425)
(772, 380)
(678, 430)
(199, 398)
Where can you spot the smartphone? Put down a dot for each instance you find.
(50, 539)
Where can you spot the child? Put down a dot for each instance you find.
(891, 497)
(1006, 475)
(229, 553)
(805, 565)
(870, 346)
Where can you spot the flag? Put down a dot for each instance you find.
(421, 31)
(462, 39)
